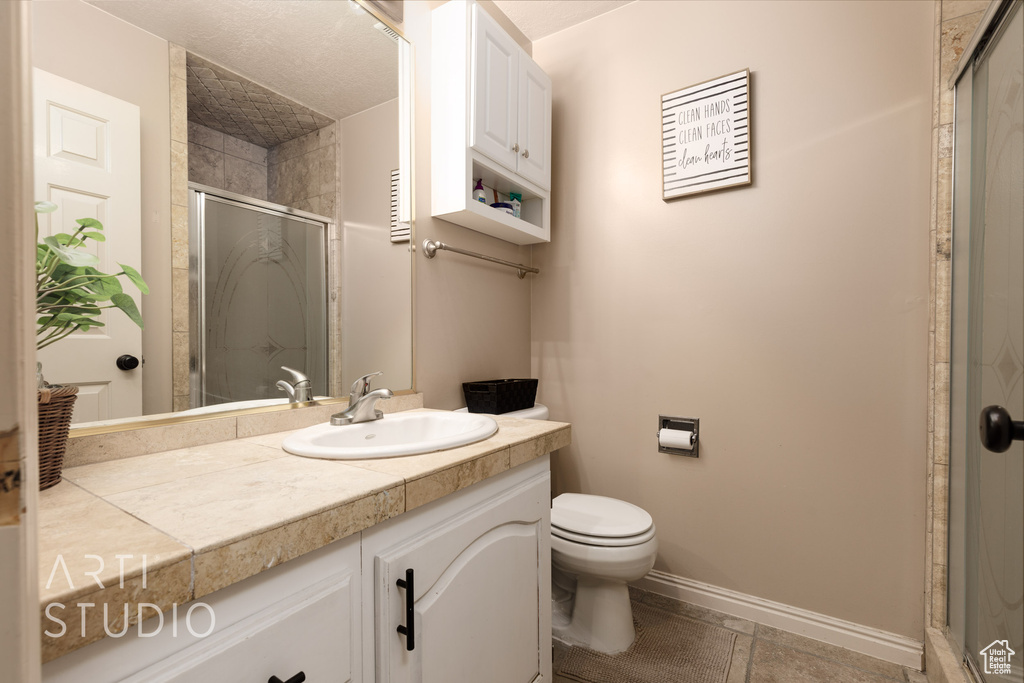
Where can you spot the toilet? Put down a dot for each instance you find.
(598, 545)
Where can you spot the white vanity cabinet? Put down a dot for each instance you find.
(481, 561)
(302, 616)
(490, 121)
(480, 564)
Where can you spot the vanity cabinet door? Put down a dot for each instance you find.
(481, 596)
(304, 615)
(495, 91)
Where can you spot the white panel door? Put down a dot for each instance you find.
(534, 123)
(495, 81)
(87, 163)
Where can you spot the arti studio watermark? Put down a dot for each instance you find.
(120, 614)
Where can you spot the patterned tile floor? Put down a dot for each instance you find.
(763, 654)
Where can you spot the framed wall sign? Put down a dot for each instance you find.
(705, 136)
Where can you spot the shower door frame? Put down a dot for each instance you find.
(965, 262)
(197, 195)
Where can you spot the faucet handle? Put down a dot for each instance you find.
(296, 375)
(361, 387)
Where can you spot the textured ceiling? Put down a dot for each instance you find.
(537, 19)
(323, 54)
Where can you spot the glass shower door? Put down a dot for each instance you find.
(261, 301)
(993, 494)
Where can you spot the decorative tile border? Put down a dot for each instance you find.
(179, 229)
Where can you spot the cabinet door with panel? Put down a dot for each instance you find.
(476, 588)
(495, 91)
(534, 162)
(302, 617)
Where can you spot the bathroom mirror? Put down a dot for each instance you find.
(289, 114)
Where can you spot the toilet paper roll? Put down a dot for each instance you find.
(676, 438)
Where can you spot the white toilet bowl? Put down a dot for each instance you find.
(603, 543)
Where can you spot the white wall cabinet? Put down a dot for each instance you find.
(510, 120)
(490, 121)
(482, 605)
(481, 594)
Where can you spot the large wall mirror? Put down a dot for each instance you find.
(251, 158)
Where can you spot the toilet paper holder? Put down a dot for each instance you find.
(686, 424)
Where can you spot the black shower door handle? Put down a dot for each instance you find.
(998, 430)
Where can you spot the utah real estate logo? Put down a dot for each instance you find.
(997, 657)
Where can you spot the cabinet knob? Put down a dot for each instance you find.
(526, 154)
(515, 147)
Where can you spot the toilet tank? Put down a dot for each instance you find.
(539, 411)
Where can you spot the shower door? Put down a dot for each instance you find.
(986, 610)
(258, 299)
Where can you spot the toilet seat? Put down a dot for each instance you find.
(603, 541)
(599, 517)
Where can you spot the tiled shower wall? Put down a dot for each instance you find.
(302, 173)
(179, 229)
(226, 163)
(955, 22)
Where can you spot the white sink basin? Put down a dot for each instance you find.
(393, 435)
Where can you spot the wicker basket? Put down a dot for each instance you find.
(56, 404)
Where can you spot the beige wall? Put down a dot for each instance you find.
(377, 278)
(472, 318)
(81, 43)
(791, 316)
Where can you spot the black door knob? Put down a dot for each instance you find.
(297, 678)
(126, 362)
(998, 430)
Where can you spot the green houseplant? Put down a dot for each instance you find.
(70, 294)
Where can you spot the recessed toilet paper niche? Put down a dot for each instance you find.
(679, 435)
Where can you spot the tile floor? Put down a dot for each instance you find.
(763, 654)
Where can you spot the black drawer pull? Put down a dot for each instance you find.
(409, 631)
(297, 678)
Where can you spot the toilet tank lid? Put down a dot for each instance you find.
(539, 411)
(598, 516)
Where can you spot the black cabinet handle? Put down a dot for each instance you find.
(998, 429)
(409, 631)
(297, 678)
(126, 362)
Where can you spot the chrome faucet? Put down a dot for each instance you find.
(362, 402)
(298, 392)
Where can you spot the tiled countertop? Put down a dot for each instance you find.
(174, 526)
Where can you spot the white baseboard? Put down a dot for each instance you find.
(890, 647)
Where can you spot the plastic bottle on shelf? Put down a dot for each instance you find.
(478, 192)
(516, 200)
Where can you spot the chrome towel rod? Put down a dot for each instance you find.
(430, 248)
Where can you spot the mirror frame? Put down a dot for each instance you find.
(165, 419)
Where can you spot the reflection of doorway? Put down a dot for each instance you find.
(986, 591)
(87, 163)
(258, 298)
